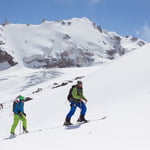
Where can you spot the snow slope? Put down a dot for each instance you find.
(120, 90)
(66, 43)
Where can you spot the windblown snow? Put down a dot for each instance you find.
(119, 90)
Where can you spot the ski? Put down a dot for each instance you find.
(73, 126)
(102, 118)
(10, 137)
(23, 133)
(77, 124)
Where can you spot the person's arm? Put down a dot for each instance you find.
(83, 97)
(27, 99)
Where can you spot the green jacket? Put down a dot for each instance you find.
(77, 94)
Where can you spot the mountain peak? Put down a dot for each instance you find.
(84, 19)
(65, 43)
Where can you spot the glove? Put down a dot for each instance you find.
(24, 114)
(28, 98)
(86, 100)
(20, 113)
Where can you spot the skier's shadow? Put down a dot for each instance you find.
(72, 127)
(9, 138)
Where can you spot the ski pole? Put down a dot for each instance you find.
(20, 126)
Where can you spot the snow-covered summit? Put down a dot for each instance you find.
(64, 43)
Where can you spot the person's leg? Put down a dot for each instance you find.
(71, 113)
(15, 123)
(83, 108)
(72, 110)
(24, 120)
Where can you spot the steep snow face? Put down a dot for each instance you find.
(120, 90)
(66, 43)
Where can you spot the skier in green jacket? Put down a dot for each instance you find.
(76, 99)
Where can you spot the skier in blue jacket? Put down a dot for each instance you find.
(18, 109)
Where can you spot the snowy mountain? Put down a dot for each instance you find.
(120, 90)
(66, 43)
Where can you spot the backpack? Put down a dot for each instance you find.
(70, 92)
(14, 105)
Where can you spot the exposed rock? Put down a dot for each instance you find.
(104, 43)
(1, 30)
(2, 43)
(111, 53)
(117, 48)
(1, 106)
(69, 81)
(66, 37)
(5, 57)
(5, 23)
(37, 91)
(64, 59)
(127, 36)
(69, 23)
(97, 27)
(56, 85)
(64, 83)
(141, 43)
(44, 20)
(134, 39)
(60, 85)
(79, 78)
(117, 38)
(63, 23)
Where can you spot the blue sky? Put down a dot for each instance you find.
(126, 17)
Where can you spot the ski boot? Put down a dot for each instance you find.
(82, 119)
(25, 130)
(67, 122)
(12, 134)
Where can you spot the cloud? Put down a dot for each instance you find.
(94, 2)
(144, 33)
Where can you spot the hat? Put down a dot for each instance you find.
(21, 98)
(79, 82)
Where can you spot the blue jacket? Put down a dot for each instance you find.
(18, 107)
